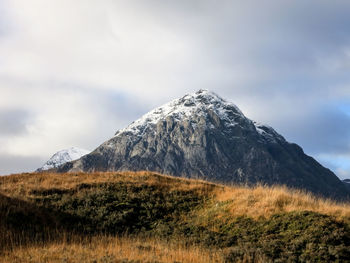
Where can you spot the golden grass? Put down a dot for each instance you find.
(226, 202)
(259, 201)
(262, 201)
(21, 185)
(112, 249)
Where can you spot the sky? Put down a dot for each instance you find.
(74, 72)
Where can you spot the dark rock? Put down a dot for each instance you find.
(347, 183)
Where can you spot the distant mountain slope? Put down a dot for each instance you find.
(63, 157)
(204, 136)
(347, 183)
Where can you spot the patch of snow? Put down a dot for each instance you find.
(62, 157)
(267, 132)
(258, 127)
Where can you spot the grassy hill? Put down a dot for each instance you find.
(148, 217)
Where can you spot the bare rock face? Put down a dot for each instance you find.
(203, 136)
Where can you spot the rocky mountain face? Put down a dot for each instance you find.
(203, 136)
(63, 157)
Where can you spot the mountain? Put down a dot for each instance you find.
(346, 182)
(63, 157)
(204, 136)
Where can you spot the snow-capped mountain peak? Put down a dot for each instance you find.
(194, 104)
(62, 157)
(197, 104)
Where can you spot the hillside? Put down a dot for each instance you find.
(201, 135)
(148, 217)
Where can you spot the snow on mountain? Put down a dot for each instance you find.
(197, 104)
(62, 157)
(194, 104)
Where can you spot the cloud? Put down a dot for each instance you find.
(13, 121)
(324, 131)
(338, 163)
(10, 164)
(4, 19)
(65, 115)
(73, 72)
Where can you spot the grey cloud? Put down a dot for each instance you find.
(324, 131)
(120, 105)
(5, 24)
(114, 109)
(110, 109)
(14, 121)
(285, 63)
(262, 46)
(17, 164)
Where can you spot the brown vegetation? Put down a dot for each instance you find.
(262, 201)
(111, 249)
(259, 201)
(84, 217)
(22, 185)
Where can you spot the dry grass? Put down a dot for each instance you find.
(262, 201)
(259, 201)
(112, 249)
(226, 202)
(255, 202)
(21, 185)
